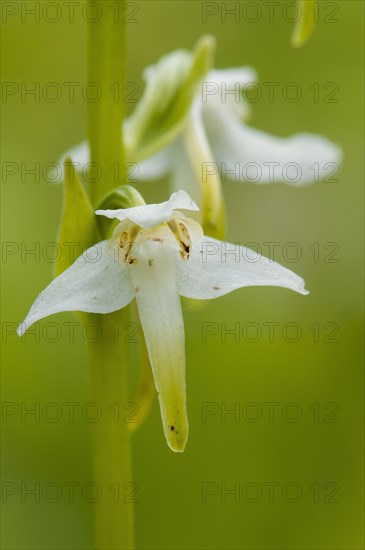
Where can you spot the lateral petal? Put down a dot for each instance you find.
(257, 157)
(96, 283)
(216, 268)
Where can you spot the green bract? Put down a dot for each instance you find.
(78, 228)
(170, 90)
(305, 25)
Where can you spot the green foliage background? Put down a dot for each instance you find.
(170, 512)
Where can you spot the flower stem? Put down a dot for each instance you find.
(112, 453)
(108, 358)
(106, 61)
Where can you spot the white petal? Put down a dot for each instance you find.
(159, 307)
(216, 268)
(155, 167)
(242, 75)
(257, 157)
(183, 175)
(226, 86)
(198, 147)
(193, 228)
(204, 166)
(80, 156)
(96, 282)
(152, 215)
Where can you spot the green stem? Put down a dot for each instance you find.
(106, 60)
(108, 359)
(112, 453)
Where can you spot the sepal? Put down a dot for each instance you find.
(170, 90)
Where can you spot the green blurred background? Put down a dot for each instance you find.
(323, 379)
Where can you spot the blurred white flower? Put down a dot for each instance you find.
(216, 138)
(216, 142)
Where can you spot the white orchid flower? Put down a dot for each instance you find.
(155, 255)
